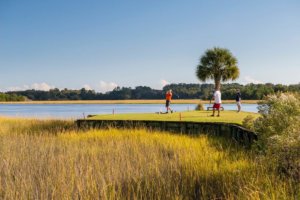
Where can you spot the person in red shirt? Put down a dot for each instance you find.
(168, 100)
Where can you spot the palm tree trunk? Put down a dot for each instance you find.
(218, 85)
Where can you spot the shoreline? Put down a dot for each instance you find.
(144, 101)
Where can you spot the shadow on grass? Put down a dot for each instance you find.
(180, 185)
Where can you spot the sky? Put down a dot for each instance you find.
(99, 44)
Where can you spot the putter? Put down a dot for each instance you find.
(209, 103)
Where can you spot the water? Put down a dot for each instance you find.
(75, 111)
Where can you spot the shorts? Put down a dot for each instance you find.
(238, 103)
(167, 103)
(217, 106)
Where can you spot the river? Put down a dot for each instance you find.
(74, 111)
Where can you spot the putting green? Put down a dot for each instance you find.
(194, 116)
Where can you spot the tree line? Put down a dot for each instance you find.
(180, 91)
(11, 97)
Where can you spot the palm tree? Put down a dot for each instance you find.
(218, 64)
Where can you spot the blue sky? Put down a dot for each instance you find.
(101, 44)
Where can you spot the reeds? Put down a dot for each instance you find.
(53, 160)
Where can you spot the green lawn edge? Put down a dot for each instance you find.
(231, 117)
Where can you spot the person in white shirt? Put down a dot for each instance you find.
(217, 104)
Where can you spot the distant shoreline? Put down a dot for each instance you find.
(145, 101)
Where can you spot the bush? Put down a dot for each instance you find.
(248, 122)
(286, 157)
(199, 106)
(279, 132)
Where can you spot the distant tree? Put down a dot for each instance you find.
(11, 97)
(219, 65)
(180, 90)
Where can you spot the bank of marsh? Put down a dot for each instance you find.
(52, 159)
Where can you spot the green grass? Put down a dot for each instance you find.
(194, 116)
(53, 160)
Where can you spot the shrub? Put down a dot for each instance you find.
(286, 156)
(279, 132)
(199, 106)
(280, 117)
(248, 122)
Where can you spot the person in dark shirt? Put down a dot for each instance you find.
(238, 100)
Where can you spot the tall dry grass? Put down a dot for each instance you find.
(54, 160)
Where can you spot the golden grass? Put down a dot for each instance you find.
(143, 101)
(52, 160)
(192, 116)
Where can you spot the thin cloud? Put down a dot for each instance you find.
(42, 86)
(87, 87)
(163, 83)
(35, 86)
(248, 79)
(106, 86)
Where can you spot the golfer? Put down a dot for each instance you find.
(217, 104)
(238, 100)
(168, 100)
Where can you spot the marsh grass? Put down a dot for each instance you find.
(53, 160)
